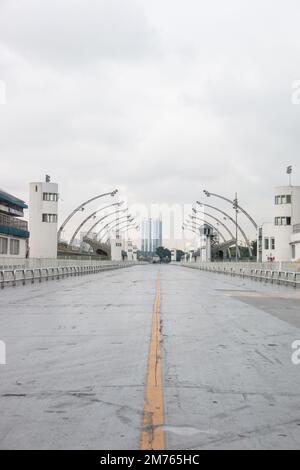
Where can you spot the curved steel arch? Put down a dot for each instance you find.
(212, 226)
(100, 220)
(107, 215)
(111, 193)
(129, 226)
(233, 221)
(230, 233)
(112, 228)
(217, 220)
(208, 194)
(111, 222)
(92, 215)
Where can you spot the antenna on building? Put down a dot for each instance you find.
(289, 172)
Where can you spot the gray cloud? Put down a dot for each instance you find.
(159, 98)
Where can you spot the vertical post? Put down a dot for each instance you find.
(235, 206)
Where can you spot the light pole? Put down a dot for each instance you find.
(208, 194)
(235, 207)
(233, 221)
(93, 215)
(81, 208)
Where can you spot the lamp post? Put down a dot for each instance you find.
(209, 194)
(233, 221)
(81, 208)
(93, 215)
(235, 207)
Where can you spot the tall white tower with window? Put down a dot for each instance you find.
(43, 215)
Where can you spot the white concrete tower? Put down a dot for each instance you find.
(286, 215)
(43, 215)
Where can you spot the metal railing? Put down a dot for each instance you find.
(288, 278)
(13, 222)
(30, 275)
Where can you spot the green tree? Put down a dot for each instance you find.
(179, 255)
(164, 254)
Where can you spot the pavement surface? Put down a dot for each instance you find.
(79, 361)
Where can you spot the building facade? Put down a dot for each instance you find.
(279, 240)
(151, 235)
(43, 219)
(14, 232)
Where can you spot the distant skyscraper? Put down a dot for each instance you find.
(151, 235)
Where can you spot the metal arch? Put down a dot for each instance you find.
(230, 233)
(92, 215)
(186, 227)
(112, 228)
(217, 220)
(208, 194)
(212, 226)
(111, 193)
(129, 226)
(223, 238)
(107, 215)
(111, 222)
(233, 221)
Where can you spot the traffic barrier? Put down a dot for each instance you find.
(287, 278)
(22, 276)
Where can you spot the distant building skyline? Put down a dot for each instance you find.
(151, 235)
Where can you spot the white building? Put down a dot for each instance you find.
(43, 215)
(13, 231)
(279, 240)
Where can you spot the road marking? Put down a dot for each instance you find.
(153, 434)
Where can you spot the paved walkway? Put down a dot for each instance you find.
(79, 362)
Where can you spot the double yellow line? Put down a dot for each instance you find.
(152, 437)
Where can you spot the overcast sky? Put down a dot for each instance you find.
(160, 98)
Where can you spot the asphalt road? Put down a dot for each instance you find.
(79, 367)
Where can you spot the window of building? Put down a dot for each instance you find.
(283, 220)
(3, 246)
(14, 247)
(266, 243)
(50, 197)
(283, 199)
(272, 243)
(50, 218)
(293, 251)
(118, 244)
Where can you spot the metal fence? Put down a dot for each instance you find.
(288, 278)
(30, 275)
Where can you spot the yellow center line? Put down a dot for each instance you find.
(152, 437)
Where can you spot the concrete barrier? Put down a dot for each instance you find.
(250, 271)
(21, 275)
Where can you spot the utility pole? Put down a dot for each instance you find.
(235, 207)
